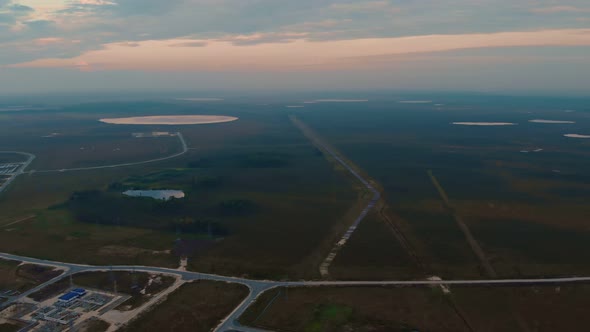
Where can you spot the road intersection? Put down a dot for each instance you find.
(258, 287)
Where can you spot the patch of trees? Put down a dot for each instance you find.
(237, 207)
(264, 160)
(200, 163)
(194, 226)
(174, 215)
(206, 182)
(250, 160)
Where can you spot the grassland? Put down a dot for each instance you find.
(7, 158)
(6, 327)
(93, 325)
(263, 202)
(260, 199)
(22, 277)
(483, 309)
(354, 309)
(197, 306)
(526, 210)
(373, 253)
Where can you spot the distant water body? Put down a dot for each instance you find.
(171, 120)
(576, 136)
(484, 123)
(155, 194)
(551, 121)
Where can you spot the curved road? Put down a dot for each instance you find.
(31, 157)
(178, 134)
(257, 287)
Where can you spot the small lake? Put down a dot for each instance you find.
(155, 194)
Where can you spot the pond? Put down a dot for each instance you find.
(155, 194)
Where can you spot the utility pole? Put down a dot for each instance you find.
(114, 280)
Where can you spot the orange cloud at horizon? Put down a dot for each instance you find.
(295, 54)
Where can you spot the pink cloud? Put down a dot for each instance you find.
(298, 53)
(48, 41)
(96, 2)
(560, 9)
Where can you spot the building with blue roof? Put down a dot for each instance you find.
(80, 291)
(68, 297)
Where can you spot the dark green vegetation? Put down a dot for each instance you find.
(5, 327)
(130, 283)
(197, 306)
(528, 211)
(94, 325)
(485, 309)
(542, 308)
(6, 158)
(260, 199)
(23, 277)
(373, 248)
(354, 309)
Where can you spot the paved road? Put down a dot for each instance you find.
(314, 138)
(178, 134)
(21, 170)
(257, 287)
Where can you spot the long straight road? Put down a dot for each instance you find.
(320, 144)
(257, 287)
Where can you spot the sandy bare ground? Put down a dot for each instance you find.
(484, 123)
(341, 100)
(576, 136)
(551, 121)
(200, 99)
(171, 120)
(119, 318)
(416, 102)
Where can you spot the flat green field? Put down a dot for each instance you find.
(354, 309)
(16, 277)
(197, 306)
(260, 199)
(483, 309)
(522, 190)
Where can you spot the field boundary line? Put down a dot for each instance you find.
(475, 247)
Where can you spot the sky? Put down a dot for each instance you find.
(443, 45)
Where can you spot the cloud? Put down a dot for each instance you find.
(560, 9)
(367, 6)
(264, 38)
(299, 54)
(95, 2)
(122, 7)
(197, 43)
(246, 22)
(20, 8)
